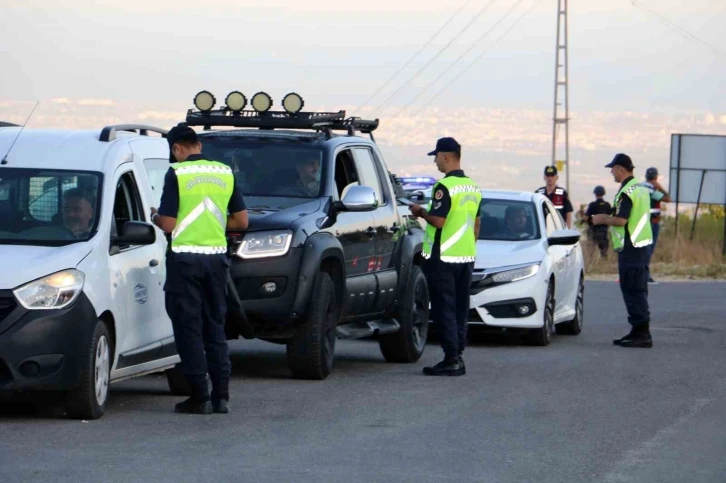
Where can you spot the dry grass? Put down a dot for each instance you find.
(676, 255)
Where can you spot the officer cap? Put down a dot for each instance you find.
(623, 160)
(651, 173)
(180, 132)
(599, 190)
(550, 171)
(446, 145)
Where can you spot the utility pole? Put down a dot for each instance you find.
(561, 93)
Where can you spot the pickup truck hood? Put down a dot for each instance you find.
(25, 263)
(493, 254)
(271, 216)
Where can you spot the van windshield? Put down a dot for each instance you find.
(48, 207)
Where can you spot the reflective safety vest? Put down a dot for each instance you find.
(205, 188)
(641, 233)
(458, 240)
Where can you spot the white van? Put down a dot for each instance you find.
(81, 268)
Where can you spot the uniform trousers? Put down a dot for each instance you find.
(449, 285)
(196, 290)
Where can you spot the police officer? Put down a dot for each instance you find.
(450, 251)
(557, 195)
(631, 236)
(196, 197)
(598, 234)
(657, 195)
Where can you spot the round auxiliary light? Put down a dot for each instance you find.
(293, 103)
(261, 102)
(236, 101)
(204, 101)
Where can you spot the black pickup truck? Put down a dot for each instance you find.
(329, 253)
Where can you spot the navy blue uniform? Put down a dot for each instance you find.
(598, 234)
(449, 284)
(632, 267)
(195, 291)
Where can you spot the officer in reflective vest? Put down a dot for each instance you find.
(194, 203)
(631, 236)
(556, 194)
(449, 250)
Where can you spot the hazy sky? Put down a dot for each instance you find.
(333, 53)
(634, 79)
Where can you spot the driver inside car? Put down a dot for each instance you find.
(515, 223)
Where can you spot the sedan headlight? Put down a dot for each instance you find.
(516, 274)
(265, 244)
(55, 291)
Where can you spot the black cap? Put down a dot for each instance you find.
(599, 190)
(651, 173)
(550, 171)
(623, 160)
(446, 145)
(180, 132)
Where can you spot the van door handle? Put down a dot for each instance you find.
(154, 262)
(394, 228)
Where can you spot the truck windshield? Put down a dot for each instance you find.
(269, 168)
(47, 207)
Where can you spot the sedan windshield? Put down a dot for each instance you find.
(47, 207)
(508, 220)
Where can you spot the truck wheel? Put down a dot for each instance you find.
(88, 401)
(408, 344)
(178, 384)
(311, 351)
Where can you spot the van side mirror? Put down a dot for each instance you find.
(564, 237)
(136, 233)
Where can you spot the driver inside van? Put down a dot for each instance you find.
(77, 212)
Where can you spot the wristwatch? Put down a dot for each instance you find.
(153, 217)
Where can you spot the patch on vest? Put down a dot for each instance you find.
(205, 179)
(439, 194)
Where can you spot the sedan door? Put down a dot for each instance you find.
(558, 256)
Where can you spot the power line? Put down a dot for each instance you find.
(443, 73)
(446, 86)
(679, 30)
(476, 17)
(464, 5)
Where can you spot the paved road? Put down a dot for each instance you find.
(580, 410)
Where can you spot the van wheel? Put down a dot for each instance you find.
(178, 384)
(311, 350)
(88, 401)
(408, 344)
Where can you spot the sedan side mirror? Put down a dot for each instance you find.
(564, 237)
(359, 198)
(136, 233)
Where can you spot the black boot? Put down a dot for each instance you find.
(199, 401)
(463, 366)
(448, 367)
(641, 338)
(220, 395)
(620, 341)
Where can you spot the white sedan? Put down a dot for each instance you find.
(529, 271)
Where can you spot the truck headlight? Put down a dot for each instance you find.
(265, 244)
(55, 291)
(516, 274)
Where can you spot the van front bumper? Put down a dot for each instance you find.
(43, 349)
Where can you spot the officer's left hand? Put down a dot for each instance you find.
(599, 219)
(415, 210)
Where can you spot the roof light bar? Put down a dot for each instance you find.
(293, 103)
(204, 101)
(261, 102)
(235, 101)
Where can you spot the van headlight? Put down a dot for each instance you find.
(55, 291)
(516, 274)
(265, 244)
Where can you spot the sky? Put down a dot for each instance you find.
(635, 76)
